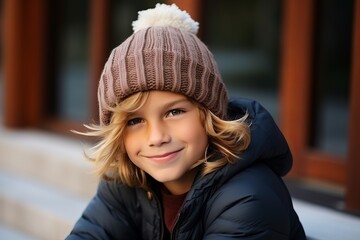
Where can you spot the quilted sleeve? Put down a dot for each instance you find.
(107, 215)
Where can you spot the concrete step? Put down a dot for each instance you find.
(36, 209)
(45, 183)
(7, 232)
(52, 159)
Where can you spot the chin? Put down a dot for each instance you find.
(167, 176)
(163, 179)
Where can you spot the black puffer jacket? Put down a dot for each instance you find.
(247, 200)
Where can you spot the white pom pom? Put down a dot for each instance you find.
(165, 15)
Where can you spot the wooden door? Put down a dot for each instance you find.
(300, 92)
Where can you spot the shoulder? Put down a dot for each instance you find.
(256, 183)
(253, 200)
(115, 211)
(114, 193)
(112, 197)
(119, 196)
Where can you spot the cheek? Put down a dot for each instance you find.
(131, 145)
(194, 132)
(201, 139)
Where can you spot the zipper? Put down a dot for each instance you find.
(176, 222)
(177, 219)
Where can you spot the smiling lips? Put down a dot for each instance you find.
(164, 158)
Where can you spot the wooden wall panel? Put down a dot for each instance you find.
(24, 27)
(99, 34)
(296, 71)
(13, 74)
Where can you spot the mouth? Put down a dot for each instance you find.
(164, 157)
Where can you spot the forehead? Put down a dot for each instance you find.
(160, 99)
(149, 98)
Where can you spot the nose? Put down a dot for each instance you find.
(158, 134)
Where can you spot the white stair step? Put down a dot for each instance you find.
(52, 159)
(37, 209)
(12, 234)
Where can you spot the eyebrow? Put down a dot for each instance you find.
(165, 106)
(170, 104)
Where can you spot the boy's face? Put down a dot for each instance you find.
(165, 138)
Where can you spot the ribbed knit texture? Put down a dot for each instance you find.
(161, 58)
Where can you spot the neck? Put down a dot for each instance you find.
(182, 185)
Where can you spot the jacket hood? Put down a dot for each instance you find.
(267, 145)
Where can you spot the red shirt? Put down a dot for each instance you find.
(171, 205)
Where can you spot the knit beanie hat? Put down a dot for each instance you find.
(164, 54)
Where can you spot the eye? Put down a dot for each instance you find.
(174, 112)
(134, 121)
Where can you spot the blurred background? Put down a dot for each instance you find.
(300, 59)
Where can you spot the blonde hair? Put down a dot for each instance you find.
(226, 139)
